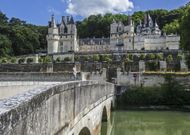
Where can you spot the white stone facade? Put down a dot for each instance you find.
(148, 36)
(62, 37)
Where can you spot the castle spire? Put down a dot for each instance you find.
(63, 20)
(53, 24)
(156, 24)
(72, 20)
(140, 23)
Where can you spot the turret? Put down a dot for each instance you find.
(71, 25)
(68, 38)
(145, 20)
(156, 30)
(130, 21)
(63, 27)
(150, 22)
(113, 27)
(53, 36)
(139, 27)
(120, 27)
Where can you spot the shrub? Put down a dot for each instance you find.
(152, 65)
(142, 57)
(41, 60)
(160, 56)
(106, 58)
(135, 57)
(21, 61)
(67, 59)
(58, 59)
(77, 58)
(96, 58)
(30, 60)
(179, 57)
(130, 56)
(169, 58)
(4, 60)
(13, 60)
(85, 58)
(171, 93)
(47, 59)
(151, 56)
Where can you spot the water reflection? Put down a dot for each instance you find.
(147, 123)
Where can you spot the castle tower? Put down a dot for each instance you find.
(52, 37)
(113, 32)
(114, 27)
(139, 28)
(68, 34)
(156, 30)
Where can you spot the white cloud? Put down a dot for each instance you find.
(89, 7)
(54, 11)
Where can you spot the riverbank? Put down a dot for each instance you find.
(154, 108)
(168, 96)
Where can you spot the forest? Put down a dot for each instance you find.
(18, 37)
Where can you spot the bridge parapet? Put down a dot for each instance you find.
(54, 109)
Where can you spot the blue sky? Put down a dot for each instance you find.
(39, 11)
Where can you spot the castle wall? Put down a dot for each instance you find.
(121, 38)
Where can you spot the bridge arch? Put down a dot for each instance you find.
(104, 115)
(104, 121)
(85, 131)
(111, 112)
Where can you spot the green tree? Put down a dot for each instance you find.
(169, 58)
(172, 91)
(185, 29)
(172, 27)
(5, 46)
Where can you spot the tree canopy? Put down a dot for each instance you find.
(18, 38)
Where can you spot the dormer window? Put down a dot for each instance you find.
(65, 30)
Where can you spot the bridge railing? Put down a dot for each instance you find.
(51, 109)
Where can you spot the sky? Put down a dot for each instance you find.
(39, 11)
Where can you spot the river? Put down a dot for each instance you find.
(150, 123)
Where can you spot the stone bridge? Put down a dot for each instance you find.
(68, 108)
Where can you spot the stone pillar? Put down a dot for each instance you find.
(163, 65)
(104, 72)
(183, 65)
(49, 68)
(36, 59)
(118, 75)
(141, 66)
